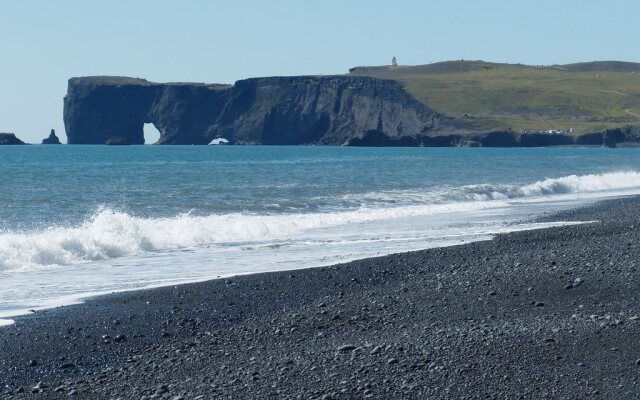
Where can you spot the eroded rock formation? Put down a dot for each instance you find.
(324, 110)
(52, 138)
(279, 110)
(607, 138)
(9, 138)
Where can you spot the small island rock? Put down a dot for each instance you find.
(52, 139)
(9, 138)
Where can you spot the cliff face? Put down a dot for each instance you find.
(330, 110)
(607, 138)
(279, 110)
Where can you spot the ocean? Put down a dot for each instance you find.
(84, 220)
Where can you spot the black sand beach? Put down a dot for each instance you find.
(546, 314)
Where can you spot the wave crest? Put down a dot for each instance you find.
(583, 184)
(110, 233)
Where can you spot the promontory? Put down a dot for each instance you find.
(457, 103)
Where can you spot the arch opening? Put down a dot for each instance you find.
(151, 134)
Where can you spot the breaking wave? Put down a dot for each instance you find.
(572, 184)
(583, 184)
(110, 233)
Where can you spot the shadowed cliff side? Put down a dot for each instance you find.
(327, 110)
(608, 138)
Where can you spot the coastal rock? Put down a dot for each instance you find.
(517, 139)
(376, 138)
(52, 139)
(118, 141)
(610, 137)
(328, 110)
(120, 338)
(507, 138)
(346, 347)
(9, 139)
(348, 110)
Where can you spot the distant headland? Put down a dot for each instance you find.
(7, 138)
(453, 103)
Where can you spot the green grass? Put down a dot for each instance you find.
(588, 97)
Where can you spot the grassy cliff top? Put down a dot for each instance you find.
(109, 80)
(588, 97)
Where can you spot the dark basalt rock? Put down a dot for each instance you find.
(545, 139)
(498, 139)
(516, 139)
(9, 139)
(52, 139)
(328, 110)
(610, 137)
(375, 138)
(117, 141)
(322, 110)
(487, 139)
(607, 138)
(442, 141)
(372, 138)
(590, 139)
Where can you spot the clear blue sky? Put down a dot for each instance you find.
(43, 43)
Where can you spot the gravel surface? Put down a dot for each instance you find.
(545, 314)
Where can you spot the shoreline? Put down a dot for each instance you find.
(7, 318)
(410, 323)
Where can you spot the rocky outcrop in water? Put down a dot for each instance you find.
(52, 138)
(328, 110)
(9, 138)
(611, 137)
(607, 138)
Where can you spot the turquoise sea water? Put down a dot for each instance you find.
(91, 219)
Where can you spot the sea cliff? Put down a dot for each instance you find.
(328, 110)
(301, 110)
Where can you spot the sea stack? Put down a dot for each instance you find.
(9, 138)
(52, 139)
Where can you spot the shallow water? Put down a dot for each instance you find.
(94, 219)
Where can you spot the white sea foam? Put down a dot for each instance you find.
(572, 184)
(583, 184)
(6, 322)
(111, 233)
